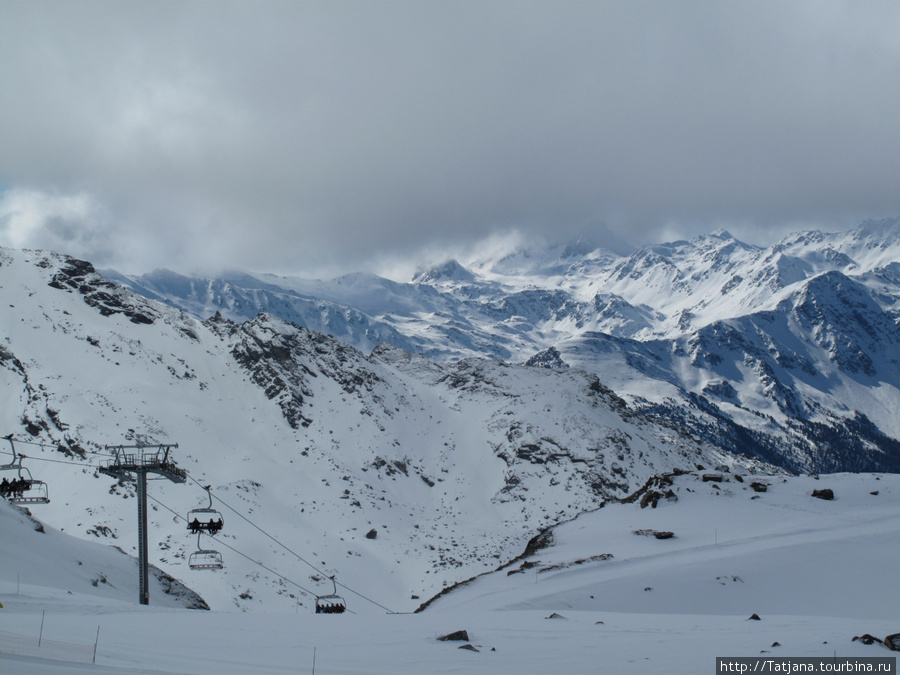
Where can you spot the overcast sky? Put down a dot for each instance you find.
(305, 136)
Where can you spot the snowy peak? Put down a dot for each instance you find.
(872, 244)
(447, 271)
(841, 317)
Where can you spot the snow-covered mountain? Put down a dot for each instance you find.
(387, 467)
(790, 353)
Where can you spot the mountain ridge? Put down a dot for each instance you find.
(756, 322)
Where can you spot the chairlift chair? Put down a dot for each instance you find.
(205, 559)
(332, 603)
(20, 487)
(205, 519)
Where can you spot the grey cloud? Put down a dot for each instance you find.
(294, 134)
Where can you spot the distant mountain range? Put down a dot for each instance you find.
(789, 353)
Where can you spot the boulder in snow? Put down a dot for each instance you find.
(866, 639)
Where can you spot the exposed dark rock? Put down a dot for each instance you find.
(825, 493)
(759, 487)
(892, 642)
(866, 639)
(754, 617)
(372, 534)
(563, 565)
(107, 297)
(469, 647)
(651, 498)
(656, 488)
(549, 358)
(555, 615)
(659, 534)
(543, 539)
(455, 636)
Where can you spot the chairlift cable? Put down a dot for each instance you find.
(289, 550)
(273, 538)
(50, 446)
(377, 604)
(240, 553)
(32, 458)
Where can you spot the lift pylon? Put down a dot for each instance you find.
(134, 466)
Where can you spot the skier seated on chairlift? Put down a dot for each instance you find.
(214, 526)
(330, 609)
(14, 488)
(195, 526)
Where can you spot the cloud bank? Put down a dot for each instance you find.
(300, 135)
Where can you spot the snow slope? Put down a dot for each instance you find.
(814, 571)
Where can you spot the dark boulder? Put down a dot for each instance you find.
(455, 636)
(825, 493)
(650, 498)
(866, 639)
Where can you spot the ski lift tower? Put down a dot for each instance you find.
(133, 463)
